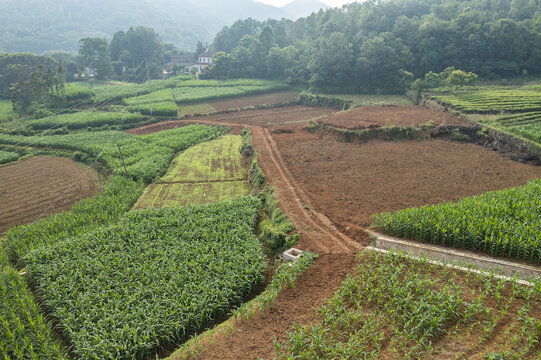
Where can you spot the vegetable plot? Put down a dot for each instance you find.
(500, 223)
(133, 289)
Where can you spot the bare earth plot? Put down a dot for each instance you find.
(348, 181)
(41, 186)
(380, 116)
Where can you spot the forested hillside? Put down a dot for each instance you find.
(38, 26)
(379, 46)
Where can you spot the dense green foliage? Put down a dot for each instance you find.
(376, 46)
(163, 108)
(6, 111)
(85, 119)
(395, 307)
(8, 156)
(500, 223)
(146, 157)
(129, 290)
(24, 332)
(87, 215)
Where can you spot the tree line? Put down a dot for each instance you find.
(380, 46)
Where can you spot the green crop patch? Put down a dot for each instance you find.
(145, 284)
(146, 157)
(180, 194)
(8, 156)
(393, 307)
(208, 172)
(492, 100)
(87, 215)
(500, 223)
(24, 331)
(85, 119)
(217, 160)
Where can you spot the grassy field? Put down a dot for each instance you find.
(420, 311)
(516, 110)
(205, 173)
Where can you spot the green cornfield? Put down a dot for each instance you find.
(503, 223)
(145, 284)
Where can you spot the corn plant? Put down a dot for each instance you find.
(135, 288)
(500, 223)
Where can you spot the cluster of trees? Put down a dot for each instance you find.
(125, 53)
(30, 80)
(379, 46)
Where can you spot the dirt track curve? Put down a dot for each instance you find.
(254, 338)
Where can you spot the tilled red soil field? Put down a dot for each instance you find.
(350, 181)
(376, 116)
(41, 186)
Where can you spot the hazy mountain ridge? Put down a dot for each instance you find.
(38, 26)
(302, 8)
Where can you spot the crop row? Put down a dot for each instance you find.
(85, 119)
(146, 157)
(118, 92)
(493, 101)
(24, 331)
(8, 156)
(182, 95)
(136, 288)
(164, 108)
(393, 307)
(104, 208)
(500, 223)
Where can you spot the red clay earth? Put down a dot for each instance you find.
(272, 98)
(41, 186)
(380, 116)
(350, 181)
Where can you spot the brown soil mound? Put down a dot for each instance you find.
(381, 116)
(41, 186)
(350, 181)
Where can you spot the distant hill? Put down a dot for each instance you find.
(39, 26)
(302, 8)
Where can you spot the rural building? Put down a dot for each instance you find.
(205, 59)
(185, 61)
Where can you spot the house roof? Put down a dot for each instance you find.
(207, 53)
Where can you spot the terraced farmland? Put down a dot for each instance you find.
(209, 172)
(517, 111)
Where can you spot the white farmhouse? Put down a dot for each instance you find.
(205, 59)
